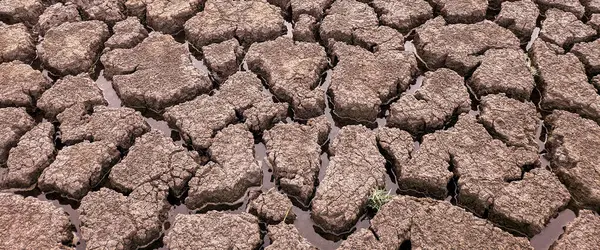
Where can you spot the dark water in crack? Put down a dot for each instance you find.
(553, 230)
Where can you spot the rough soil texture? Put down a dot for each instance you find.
(109, 11)
(403, 15)
(69, 91)
(154, 158)
(574, 161)
(114, 221)
(155, 74)
(519, 16)
(573, 6)
(214, 230)
(389, 73)
(315, 8)
(223, 58)
(14, 122)
(20, 85)
(343, 18)
(356, 169)
(286, 236)
(119, 126)
(469, 42)
(408, 218)
(55, 15)
(72, 48)
(78, 168)
(563, 28)
(462, 11)
(21, 11)
(378, 38)
(442, 95)
(166, 16)
(230, 173)
(294, 152)
(126, 34)
(580, 233)
(26, 161)
(292, 71)
(16, 43)
(503, 71)
(305, 28)
(248, 21)
(272, 207)
(30, 223)
(588, 54)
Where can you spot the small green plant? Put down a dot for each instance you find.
(378, 198)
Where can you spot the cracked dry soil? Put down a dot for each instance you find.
(267, 124)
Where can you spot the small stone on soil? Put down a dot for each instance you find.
(16, 43)
(563, 28)
(20, 85)
(69, 91)
(272, 207)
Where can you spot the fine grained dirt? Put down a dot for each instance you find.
(268, 124)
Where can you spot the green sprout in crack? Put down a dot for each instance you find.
(378, 198)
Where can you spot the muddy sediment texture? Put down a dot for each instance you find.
(356, 168)
(286, 236)
(69, 91)
(272, 207)
(407, 218)
(292, 71)
(119, 126)
(294, 152)
(30, 223)
(78, 168)
(214, 230)
(442, 95)
(155, 74)
(563, 28)
(26, 161)
(16, 43)
(564, 81)
(248, 21)
(56, 15)
(20, 85)
(72, 48)
(114, 221)
(519, 16)
(503, 71)
(580, 232)
(154, 158)
(469, 40)
(574, 161)
(389, 73)
(14, 122)
(230, 173)
(126, 34)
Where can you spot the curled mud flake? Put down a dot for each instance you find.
(272, 207)
(248, 21)
(469, 42)
(165, 16)
(78, 168)
(574, 159)
(110, 220)
(442, 95)
(214, 230)
(69, 91)
(56, 15)
(26, 161)
(564, 82)
(127, 34)
(16, 43)
(315, 8)
(292, 71)
(403, 15)
(20, 85)
(294, 152)
(563, 28)
(223, 58)
(155, 74)
(305, 28)
(514, 122)
(462, 11)
(355, 170)
(21, 11)
(14, 122)
(589, 54)
(109, 11)
(343, 18)
(581, 233)
(230, 173)
(72, 48)
(33, 224)
(503, 71)
(286, 236)
(519, 16)
(388, 73)
(428, 223)
(573, 6)
(154, 158)
(119, 126)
